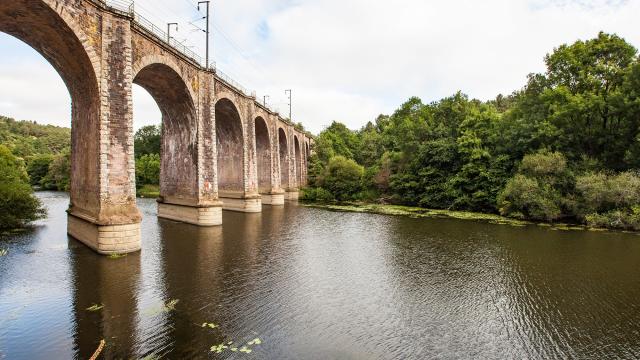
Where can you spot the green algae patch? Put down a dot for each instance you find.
(567, 227)
(416, 212)
(116, 256)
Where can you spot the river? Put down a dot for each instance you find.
(305, 283)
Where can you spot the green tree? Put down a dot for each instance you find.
(147, 140)
(38, 167)
(343, 178)
(584, 105)
(59, 174)
(538, 190)
(18, 206)
(148, 170)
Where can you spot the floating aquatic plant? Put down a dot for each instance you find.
(209, 325)
(219, 348)
(4, 252)
(150, 357)
(171, 305)
(420, 212)
(117, 256)
(95, 307)
(162, 308)
(246, 349)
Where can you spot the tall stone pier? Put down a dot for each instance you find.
(220, 148)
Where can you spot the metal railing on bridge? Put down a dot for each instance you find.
(127, 8)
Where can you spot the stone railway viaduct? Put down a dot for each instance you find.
(220, 148)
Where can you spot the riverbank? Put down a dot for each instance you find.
(417, 212)
(149, 191)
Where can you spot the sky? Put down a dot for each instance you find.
(345, 60)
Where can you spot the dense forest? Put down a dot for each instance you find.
(31, 155)
(44, 149)
(566, 147)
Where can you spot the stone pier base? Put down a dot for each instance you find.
(200, 216)
(292, 195)
(273, 199)
(105, 239)
(239, 202)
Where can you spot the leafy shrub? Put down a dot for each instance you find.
(616, 219)
(343, 178)
(316, 194)
(599, 192)
(18, 206)
(537, 191)
(543, 163)
(525, 198)
(148, 191)
(148, 170)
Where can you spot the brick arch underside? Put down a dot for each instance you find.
(298, 160)
(284, 159)
(263, 153)
(230, 145)
(179, 150)
(52, 35)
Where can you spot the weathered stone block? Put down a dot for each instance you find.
(110, 239)
(201, 216)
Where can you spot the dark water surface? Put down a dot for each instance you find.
(314, 284)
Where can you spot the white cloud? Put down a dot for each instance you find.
(350, 60)
(33, 90)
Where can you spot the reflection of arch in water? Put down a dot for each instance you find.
(197, 283)
(217, 258)
(113, 284)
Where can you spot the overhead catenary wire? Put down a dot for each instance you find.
(159, 9)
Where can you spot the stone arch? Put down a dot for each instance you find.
(48, 28)
(298, 160)
(230, 146)
(168, 61)
(307, 155)
(179, 150)
(284, 158)
(263, 155)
